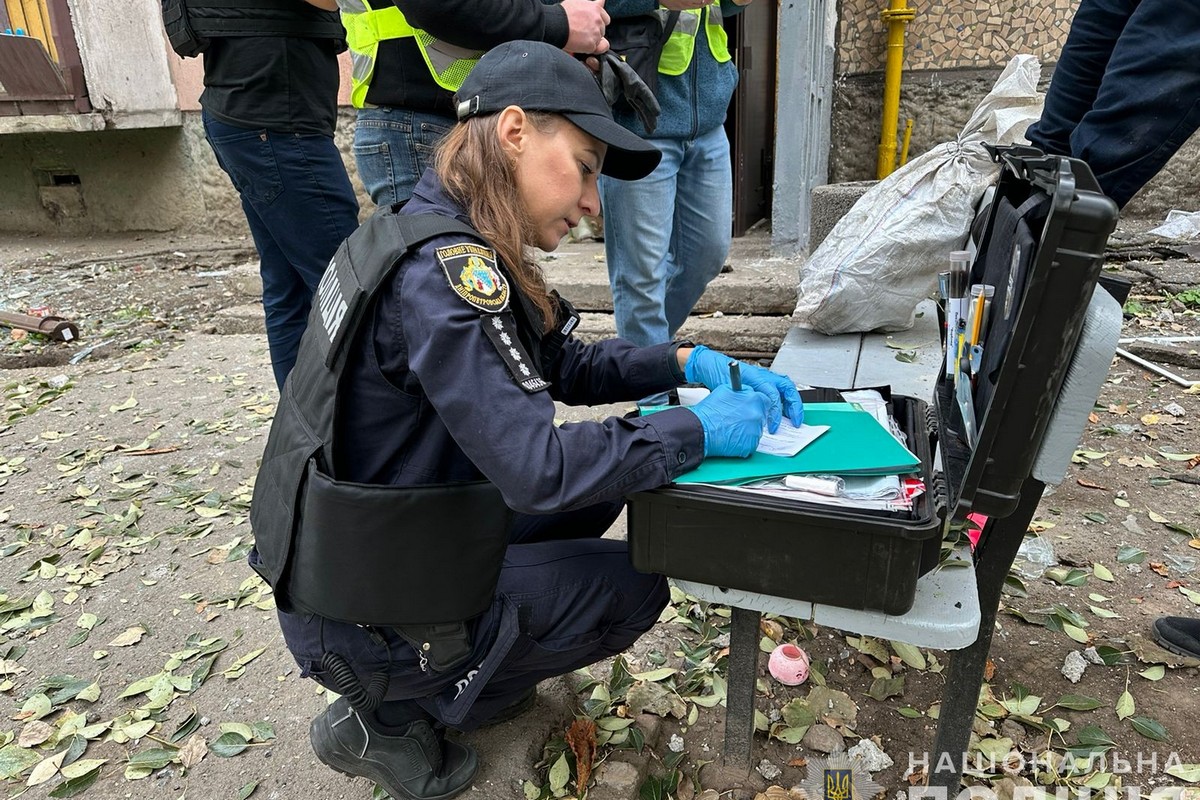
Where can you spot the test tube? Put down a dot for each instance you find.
(956, 306)
(988, 291)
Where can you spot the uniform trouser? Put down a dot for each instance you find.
(392, 147)
(299, 205)
(566, 598)
(1126, 92)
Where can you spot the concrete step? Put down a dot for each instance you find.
(759, 284)
(745, 335)
(744, 311)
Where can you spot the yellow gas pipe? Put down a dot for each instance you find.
(897, 16)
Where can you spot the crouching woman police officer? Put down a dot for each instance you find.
(432, 535)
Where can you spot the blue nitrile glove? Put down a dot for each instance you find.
(711, 368)
(732, 421)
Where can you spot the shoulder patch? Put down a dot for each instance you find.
(473, 275)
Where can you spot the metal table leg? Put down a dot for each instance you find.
(739, 702)
(964, 678)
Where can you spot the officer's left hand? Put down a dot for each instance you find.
(711, 368)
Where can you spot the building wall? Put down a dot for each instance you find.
(121, 43)
(151, 169)
(953, 54)
(156, 179)
(959, 34)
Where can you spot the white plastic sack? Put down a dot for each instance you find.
(883, 257)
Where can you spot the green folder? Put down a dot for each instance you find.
(855, 444)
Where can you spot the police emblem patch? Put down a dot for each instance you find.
(473, 275)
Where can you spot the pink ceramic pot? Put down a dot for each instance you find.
(788, 664)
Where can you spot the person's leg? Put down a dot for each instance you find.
(703, 223)
(1076, 82)
(578, 601)
(392, 147)
(298, 189)
(637, 238)
(397, 744)
(1149, 101)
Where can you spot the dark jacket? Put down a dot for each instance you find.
(427, 397)
(402, 78)
(692, 103)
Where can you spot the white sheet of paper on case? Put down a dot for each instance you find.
(787, 441)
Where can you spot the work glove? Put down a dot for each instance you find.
(732, 421)
(618, 79)
(712, 369)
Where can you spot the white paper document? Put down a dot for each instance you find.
(789, 440)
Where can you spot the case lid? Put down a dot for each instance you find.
(1041, 246)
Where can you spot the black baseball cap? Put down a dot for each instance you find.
(540, 77)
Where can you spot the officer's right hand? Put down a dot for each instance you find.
(733, 421)
(586, 19)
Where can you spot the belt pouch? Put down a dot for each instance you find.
(397, 555)
(445, 646)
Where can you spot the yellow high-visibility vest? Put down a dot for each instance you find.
(681, 46)
(366, 27)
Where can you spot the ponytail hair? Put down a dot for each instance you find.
(477, 172)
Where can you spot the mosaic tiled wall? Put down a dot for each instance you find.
(966, 33)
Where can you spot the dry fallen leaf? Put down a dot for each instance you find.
(771, 629)
(34, 733)
(989, 670)
(1158, 567)
(581, 738)
(46, 770)
(193, 751)
(774, 793)
(131, 636)
(1090, 485)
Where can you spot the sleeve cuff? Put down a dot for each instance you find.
(673, 361)
(682, 438)
(558, 30)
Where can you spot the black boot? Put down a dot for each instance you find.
(414, 765)
(1180, 635)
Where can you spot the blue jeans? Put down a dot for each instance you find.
(392, 147)
(667, 235)
(1126, 92)
(300, 206)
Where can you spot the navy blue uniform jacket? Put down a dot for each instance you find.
(426, 398)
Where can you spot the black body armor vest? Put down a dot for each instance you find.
(360, 553)
(191, 23)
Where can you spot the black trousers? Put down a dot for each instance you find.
(566, 598)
